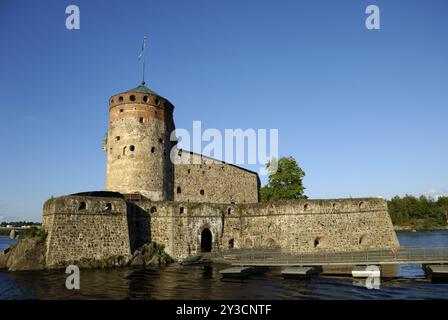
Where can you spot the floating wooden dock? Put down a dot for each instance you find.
(434, 260)
(242, 271)
(300, 272)
(237, 272)
(417, 255)
(436, 271)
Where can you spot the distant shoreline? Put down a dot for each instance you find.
(410, 228)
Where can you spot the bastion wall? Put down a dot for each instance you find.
(85, 227)
(298, 226)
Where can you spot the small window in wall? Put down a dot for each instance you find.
(145, 98)
(270, 243)
(231, 243)
(156, 101)
(202, 192)
(140, 120)
(179, 190)
(120, 98)
(108, 207)
(82, 206)
(121, 110)
(229, 211)
(124, 151)
(189, 171)
(203, 172)
(361, 205)
(160, 140)
(153, 209)
(117, 138)
(305, 207)
(153, 150)
(131, 148)
(317, 242)
(362, 240)
(181, 210)
(132, 97)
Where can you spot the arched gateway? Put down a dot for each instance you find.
(206, 240)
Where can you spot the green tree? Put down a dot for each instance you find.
(285, 183)
(420, 213)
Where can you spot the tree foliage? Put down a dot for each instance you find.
(419, 213)
(284, 183)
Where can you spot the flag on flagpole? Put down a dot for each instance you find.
(145, 39)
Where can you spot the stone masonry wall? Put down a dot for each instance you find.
(300, 226)
(108, 226)
(202, 179)
(92, 227)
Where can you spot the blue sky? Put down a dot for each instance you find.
(364, 112)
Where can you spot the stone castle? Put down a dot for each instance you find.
(195, 205)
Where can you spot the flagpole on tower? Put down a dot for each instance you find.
(142, 57)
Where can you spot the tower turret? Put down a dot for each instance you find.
(138, 144)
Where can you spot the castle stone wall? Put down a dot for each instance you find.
(113, 227)
(294, 226)
(199, 178)
(103, 228)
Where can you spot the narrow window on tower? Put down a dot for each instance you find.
(131, 148)
(153, 150)
(117, 138)
(141, 120)
(202, 192)
(179, 190)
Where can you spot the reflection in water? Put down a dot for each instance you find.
(205, 282)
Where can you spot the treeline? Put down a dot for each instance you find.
(17, 224)
(418, 213)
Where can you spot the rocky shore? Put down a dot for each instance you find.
(29, 254)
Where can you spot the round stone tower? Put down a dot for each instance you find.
(138, 144)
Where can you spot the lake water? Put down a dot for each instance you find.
(202, 282)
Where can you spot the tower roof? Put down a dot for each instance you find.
(140, 92)
(143, 89)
